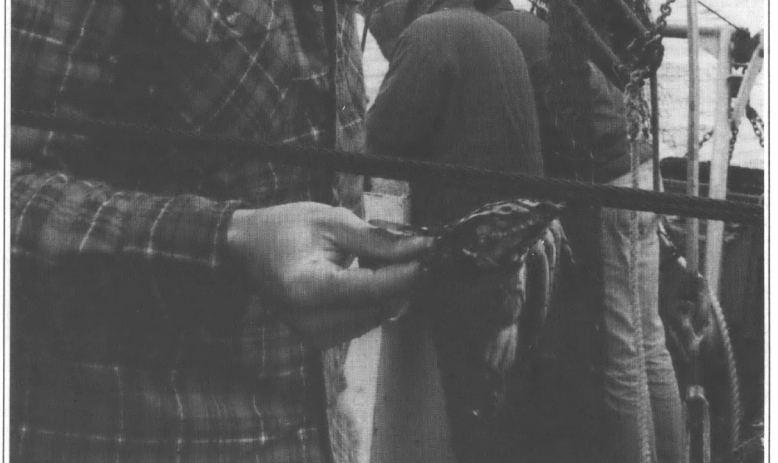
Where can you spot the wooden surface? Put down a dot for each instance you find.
(692, 150)
(394, 389)
(719, 162)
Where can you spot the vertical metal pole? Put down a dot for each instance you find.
(749, 79)
(719, 161)
(655, 129)
(693, 164)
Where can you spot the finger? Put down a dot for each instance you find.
(328, 284)
(399, 228)
(355, 236)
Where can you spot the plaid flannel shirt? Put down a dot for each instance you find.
(131, 337)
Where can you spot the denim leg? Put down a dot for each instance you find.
(643, 409)
(628, 417)
(669, 429)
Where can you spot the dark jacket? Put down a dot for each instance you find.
(609, 138)
(457, 91)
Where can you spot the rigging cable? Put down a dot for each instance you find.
(554, 189)
(720, 16)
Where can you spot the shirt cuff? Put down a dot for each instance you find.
(184, 242)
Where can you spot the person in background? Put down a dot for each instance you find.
(172, 304)
(641, 394)
(457, 91)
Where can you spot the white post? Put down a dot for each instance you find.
(693, 164)
(719, 163)
(409, 422)
(362, 363)
(749, 79)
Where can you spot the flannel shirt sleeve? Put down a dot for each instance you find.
(171, 248)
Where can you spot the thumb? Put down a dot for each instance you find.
(355, 236)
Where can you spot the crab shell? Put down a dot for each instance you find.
(495, 236)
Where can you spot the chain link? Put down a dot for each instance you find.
(708, 135)
(733, 141)
(734, 131)
(661, 21)
(652, 51)
(757, 123)
(649, 53)
(705, 138)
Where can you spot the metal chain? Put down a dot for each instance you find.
(705, 138)
(661, 21)
(708, 135)
(653, 39)
(756, 122)
(649, 52)
(733, 141)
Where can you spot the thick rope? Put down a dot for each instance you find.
(736, 411)
(722, 17)
(523, 185)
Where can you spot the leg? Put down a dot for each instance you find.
(643, 409)
(628, 419)
(669, 429)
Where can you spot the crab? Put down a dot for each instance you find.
(495, 236)
(495, 269)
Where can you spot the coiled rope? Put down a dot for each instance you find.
(523, 185)
(736, 410)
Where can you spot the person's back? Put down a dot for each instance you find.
(457, 91)
(608, 119)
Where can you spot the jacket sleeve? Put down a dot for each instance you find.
(409, 101)
(78, 239)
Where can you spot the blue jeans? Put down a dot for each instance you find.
(644, 419)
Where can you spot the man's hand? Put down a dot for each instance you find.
(300, 255)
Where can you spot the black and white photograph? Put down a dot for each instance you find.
(386, 231)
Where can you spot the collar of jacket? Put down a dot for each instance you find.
(440, 5)
(499, 6)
